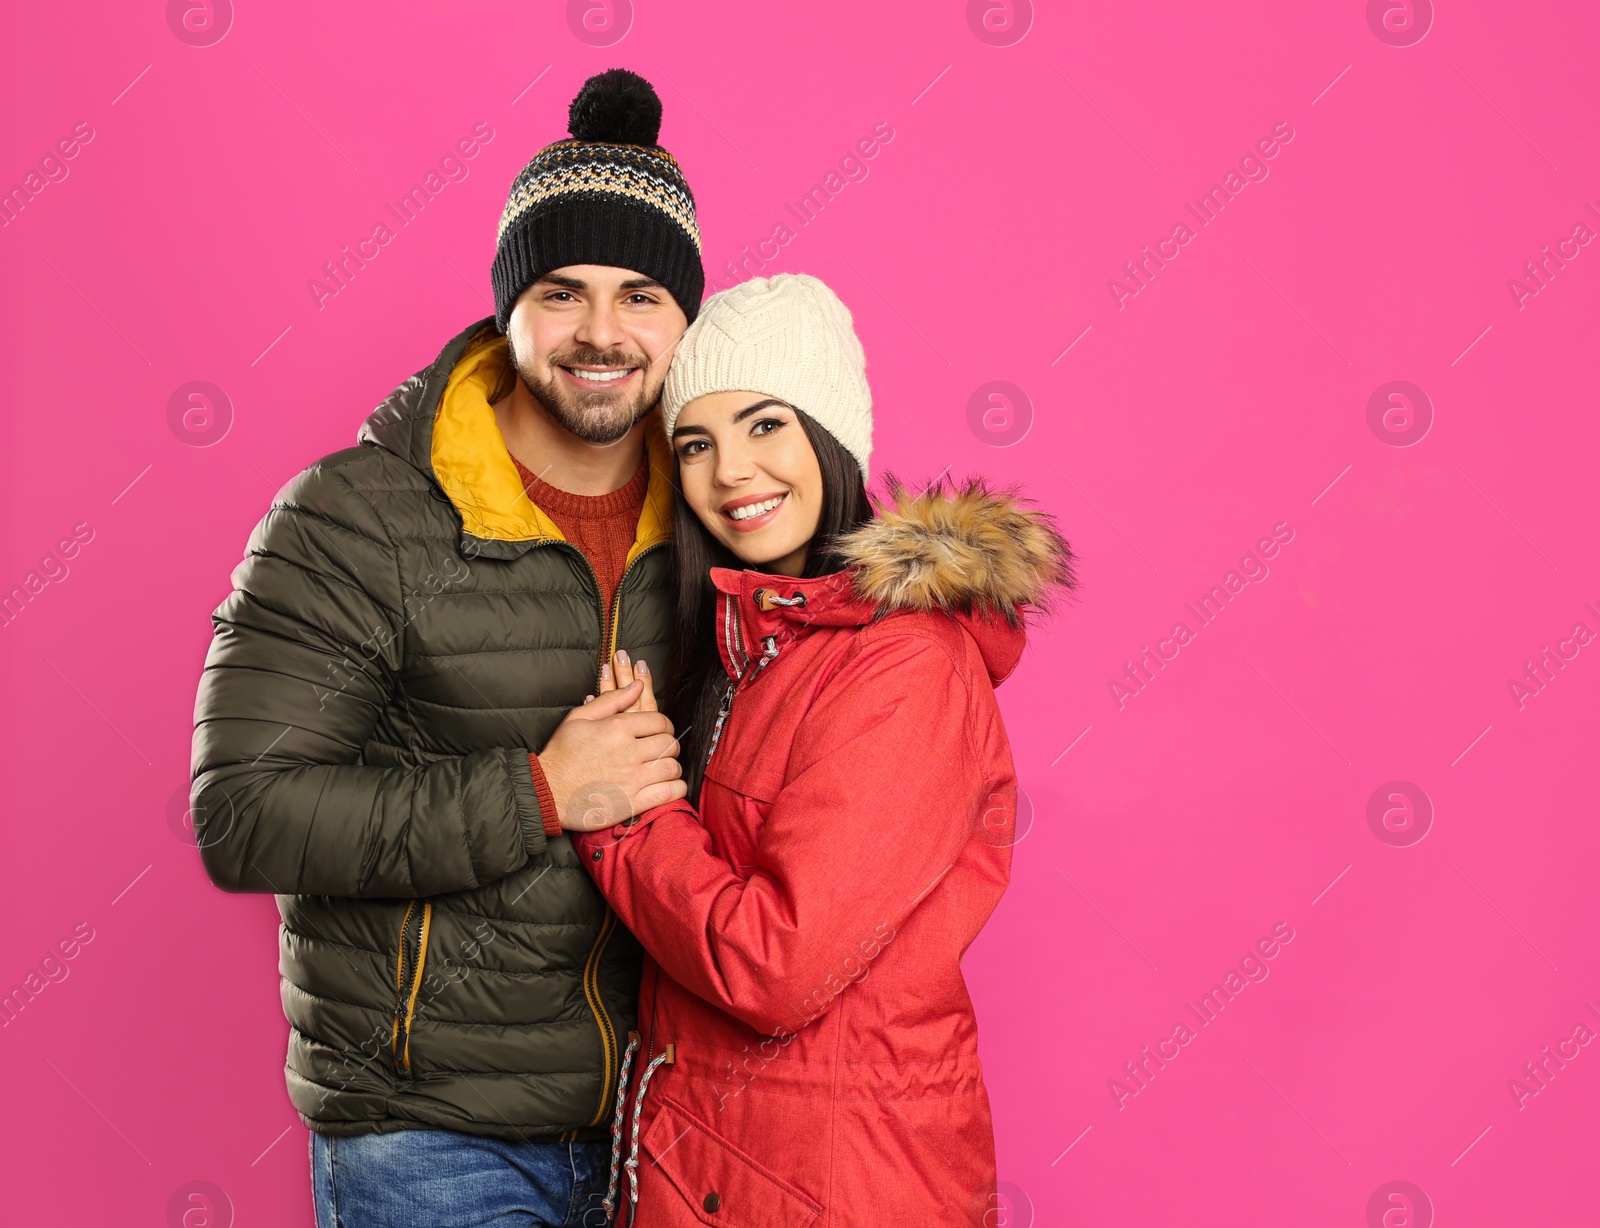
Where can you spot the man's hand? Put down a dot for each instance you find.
(605, 763)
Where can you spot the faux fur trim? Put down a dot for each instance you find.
(967, 547)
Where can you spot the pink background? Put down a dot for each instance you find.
(1169, 434)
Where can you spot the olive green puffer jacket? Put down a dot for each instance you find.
(406, 626)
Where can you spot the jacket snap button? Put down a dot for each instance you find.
(596, 855)
(713, 1201)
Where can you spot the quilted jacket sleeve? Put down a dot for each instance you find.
(302, 663)
(874, 814)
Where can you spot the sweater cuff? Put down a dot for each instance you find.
(548, 813)
(530, 816)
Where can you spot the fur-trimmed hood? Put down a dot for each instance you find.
(967, 549)
(982, 556)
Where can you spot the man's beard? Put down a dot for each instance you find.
(596, 417)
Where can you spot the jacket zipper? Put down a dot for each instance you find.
(591, 990)
(655, 1001)
(591, 971)
(616, 605)
(747, 670)
(409, 966)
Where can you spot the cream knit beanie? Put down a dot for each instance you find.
(787, 336)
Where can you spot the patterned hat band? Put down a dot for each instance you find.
(648, 176)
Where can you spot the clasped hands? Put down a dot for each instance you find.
(616, 756)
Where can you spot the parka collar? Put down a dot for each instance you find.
(758, 612)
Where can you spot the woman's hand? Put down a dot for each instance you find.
(605, 808)
(612, 759)
(622, 672)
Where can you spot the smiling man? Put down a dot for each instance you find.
(385, 735)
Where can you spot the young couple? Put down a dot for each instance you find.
(551, 955)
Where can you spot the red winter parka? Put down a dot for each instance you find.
(807, 1053)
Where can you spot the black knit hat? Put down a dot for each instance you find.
(609, 196)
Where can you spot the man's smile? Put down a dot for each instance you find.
(598, 377)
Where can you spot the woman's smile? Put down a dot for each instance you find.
(752, 512)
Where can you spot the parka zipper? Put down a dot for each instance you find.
(591, 971)
(655, 1001)
(616, 605)
(409, 966)
(746, 671)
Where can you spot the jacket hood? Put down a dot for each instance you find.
(980, 555)
(961, 550)
(441, 421)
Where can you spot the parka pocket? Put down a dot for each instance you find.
(746, 777)
(719, 1182)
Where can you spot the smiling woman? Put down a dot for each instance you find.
(838, 733)
(760, 485)
(768, 478)
(749, 472)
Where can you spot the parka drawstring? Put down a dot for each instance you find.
(632, 1162)
(609, 1202)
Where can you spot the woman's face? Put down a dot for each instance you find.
(749, 473)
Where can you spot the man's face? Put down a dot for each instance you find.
(592, 344)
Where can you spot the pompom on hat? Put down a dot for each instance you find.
(610, 195)
(786, 336)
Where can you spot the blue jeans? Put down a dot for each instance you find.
(442, 1179)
